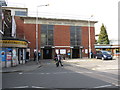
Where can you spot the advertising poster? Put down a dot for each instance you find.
(62, 51)
(8, 54)
(2, 55)
(14, 57)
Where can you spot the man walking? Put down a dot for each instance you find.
(59, 60)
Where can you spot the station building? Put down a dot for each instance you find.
(67, 37)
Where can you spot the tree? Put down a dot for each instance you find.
(103, 36)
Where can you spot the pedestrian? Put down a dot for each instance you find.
(68, 54)
(59, 60)
(39, 55)
(34, 55)
(91, 54)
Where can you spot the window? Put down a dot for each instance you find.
(75, 35)
(20, 13)
(47, 34)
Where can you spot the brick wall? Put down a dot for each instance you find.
(19, 27)
(85, 39)
(92, 39)
(28, 32)
(61, 35)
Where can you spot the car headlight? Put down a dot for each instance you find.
(104, 56)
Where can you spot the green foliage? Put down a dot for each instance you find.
(103, 36)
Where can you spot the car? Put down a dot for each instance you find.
(104, 55)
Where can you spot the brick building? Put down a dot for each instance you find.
(13, 50)
(65, 36)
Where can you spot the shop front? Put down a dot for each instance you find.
(13, 51)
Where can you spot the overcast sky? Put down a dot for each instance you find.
(104, 11)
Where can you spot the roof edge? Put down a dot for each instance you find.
(4, 7)
(28, 17)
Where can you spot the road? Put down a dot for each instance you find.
(71, 75)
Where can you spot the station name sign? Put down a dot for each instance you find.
(13, 43)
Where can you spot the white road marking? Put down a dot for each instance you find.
(21, 87)
(56, 73)
(48, 73)
(20, 73)
(83, 72)
(37, 87)
(103, 86)
(42, 73)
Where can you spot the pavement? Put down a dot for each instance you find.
(96, 64)
(93, 64)
(29, 66)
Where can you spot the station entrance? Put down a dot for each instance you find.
(75, 53)
(47, 53)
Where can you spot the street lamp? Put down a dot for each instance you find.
(89, 36)
(37, 31)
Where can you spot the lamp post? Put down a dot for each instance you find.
(37, 31)
(89, 36)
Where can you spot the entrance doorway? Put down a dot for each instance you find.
(47, 53)
(75, 53)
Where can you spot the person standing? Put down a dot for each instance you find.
(39, 55)
(91, 53)
(34, 55)
(59, 60)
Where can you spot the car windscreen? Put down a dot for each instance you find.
(105, 52)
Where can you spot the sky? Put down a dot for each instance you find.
(103, 11)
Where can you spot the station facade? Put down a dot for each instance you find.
(67, 37)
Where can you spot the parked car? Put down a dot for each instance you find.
(103, 55)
